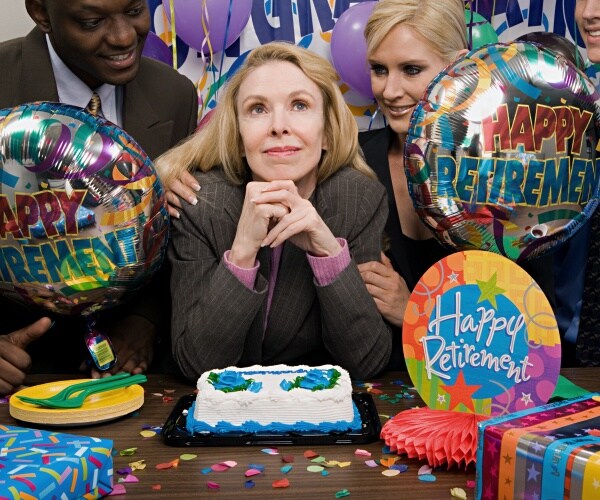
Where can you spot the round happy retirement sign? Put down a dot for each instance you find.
(480, 336)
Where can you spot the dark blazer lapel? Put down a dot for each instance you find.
(143, 123)
(35, 55)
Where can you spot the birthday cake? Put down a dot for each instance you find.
(274, 399)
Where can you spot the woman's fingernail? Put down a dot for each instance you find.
(176, 214)
(193, 200)
(196, 187)
(52, 324)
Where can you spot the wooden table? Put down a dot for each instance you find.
(187, 480)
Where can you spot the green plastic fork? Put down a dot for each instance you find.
(76, 401)
(78, 386)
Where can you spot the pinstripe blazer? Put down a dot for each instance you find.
(218, 322)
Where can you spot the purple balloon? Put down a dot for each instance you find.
(155, 48)
(224, 21)
(349, 48)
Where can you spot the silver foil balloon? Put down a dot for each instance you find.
(83, 214)
(501, 151)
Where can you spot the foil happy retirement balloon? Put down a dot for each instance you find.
(83, 214)
(501, 151)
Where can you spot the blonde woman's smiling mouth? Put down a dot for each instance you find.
(282, 151)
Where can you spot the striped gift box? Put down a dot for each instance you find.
(548, 452)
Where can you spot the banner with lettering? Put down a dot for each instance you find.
(309, 23)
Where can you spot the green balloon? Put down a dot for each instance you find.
(479, 31)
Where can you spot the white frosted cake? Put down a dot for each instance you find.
(275, 399)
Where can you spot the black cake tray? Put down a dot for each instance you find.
(175, 433)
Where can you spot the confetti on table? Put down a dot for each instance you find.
(129, 478)
(168, 465)
(118, 489)
(470, 484)
(285, 469)
(249, 484)
(252, 472)
(458, 493)
(157, 394)
(344, 464)
(324, 473)
(281, 483)
(388, 462)
(390, 472)
(429, 478)
(424, 469)
(399, 467)
(310, 454)
(212, 485)
(372, 390)
(342, 493)
(314, 468)
(167, 399)
(124, 471)
(270, 451)
(156, 487)
(229, 463)
(219, 467)
(259, 467)
(288, 459)
(318, 460)
(371, 463)
(128, 452)
(187, 456)
(386, 450)
(147, 434)
(206, 470)
(362, 453)
(139, 465)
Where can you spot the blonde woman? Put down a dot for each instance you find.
(408, 43)
(265, 265)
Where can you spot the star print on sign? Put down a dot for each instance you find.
(526, 398)
(489, 290)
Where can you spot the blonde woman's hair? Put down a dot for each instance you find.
(440, 22)
(219, 143)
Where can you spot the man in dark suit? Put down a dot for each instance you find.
(77, 48)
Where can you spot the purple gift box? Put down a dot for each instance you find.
(37, 464)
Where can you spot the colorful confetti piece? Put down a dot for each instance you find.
(129, 478)
(285, 469)
(310, 454)
(429, 478)
(390, 472)
(249, 484)
(168, 465)
(139, 465)
(259, 467)
(314, 468)
(399, 467)
(156, 487)
(324, 473)
(147, 434)
(342, 493)
(252, 472)
(118, 489)
(212, 485)
(424, 469)
(128, 452)
(270, 451)
(371, 463)
(288, 459)
(281, 483)
(187, 456)
(458, 493)
(362, 453)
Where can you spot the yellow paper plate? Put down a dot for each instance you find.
(99, 407)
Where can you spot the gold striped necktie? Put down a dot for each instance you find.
(94, 107)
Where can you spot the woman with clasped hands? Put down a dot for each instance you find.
(264, 267)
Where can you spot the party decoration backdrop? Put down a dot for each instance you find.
(309, 23)
(83, 220)
(501, 151)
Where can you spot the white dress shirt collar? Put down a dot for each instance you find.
(71, 90)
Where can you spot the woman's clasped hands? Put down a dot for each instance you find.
(274, 212)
